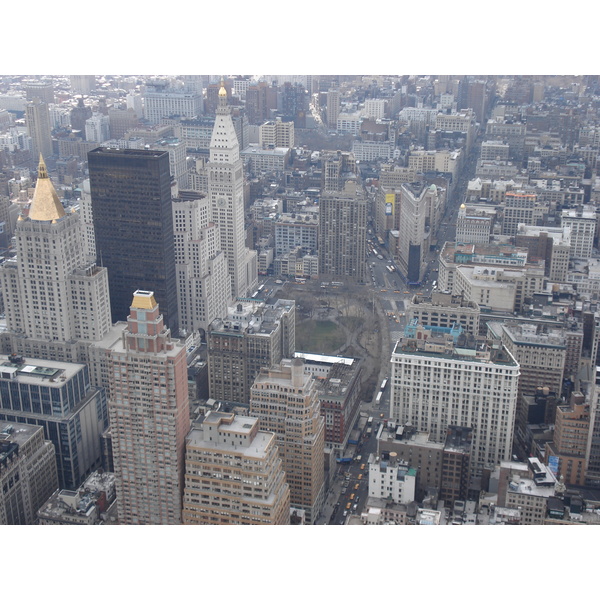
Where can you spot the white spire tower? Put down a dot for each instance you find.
(226, 193)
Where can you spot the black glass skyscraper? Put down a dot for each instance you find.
(133, 225)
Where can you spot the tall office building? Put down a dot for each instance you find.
(286, 401)
(225, 191)
(203, 282)
(234, 474)
(37, 119)
(442, 377)
(57, 396)
(149, 416)
(133, 225)
(333, 108)
(415, 230)
(343, 233)
(53, 291)
(27, 472)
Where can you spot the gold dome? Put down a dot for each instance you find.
(463, 206)
(222, 90)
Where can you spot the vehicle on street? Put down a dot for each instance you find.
(362, 467)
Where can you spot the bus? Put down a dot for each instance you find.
(383, 384)
(389, 268)
(261, 287)
(378, 399)
(369, 421)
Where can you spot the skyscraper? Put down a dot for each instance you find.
(203, 282)
(133, 225)
(149, 416)
(286, 401)
(37, 118)
(343, 233)
(225, 191)
(53, 292)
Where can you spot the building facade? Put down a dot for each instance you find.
(234, 474)
(343, 233)
(133, 226)
(57, 396)
(27, 472)
(203, 280)
(286, 401)
(440, 378)
(149, 416)
(252, 336)
(225, 191)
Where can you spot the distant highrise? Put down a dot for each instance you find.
(149, 416)
(234, 474)
(161, 100)
(225, 191)
(133, 225)
(79, 115)
(37, 119)
(333, 108)
(343, 233)
(286, 401)
(83, 84)
(43, 90)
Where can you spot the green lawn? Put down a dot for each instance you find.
(321, 337)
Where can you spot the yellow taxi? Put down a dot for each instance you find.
(362, 467)
(360, 477)
(357, 486)
(349, 506)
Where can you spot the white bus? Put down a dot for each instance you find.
(378, 399)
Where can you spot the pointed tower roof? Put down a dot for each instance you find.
(222, 90)
(45, 205)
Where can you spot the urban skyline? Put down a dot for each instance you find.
(364, 206)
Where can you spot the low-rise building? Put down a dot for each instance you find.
(527, 487)
(94, 503)
(391, 478)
